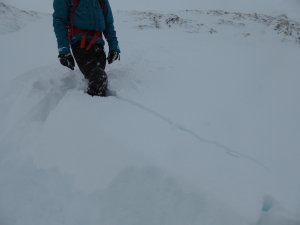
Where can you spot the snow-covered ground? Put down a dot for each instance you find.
(203, 125)
(289, 7)
(13, 19)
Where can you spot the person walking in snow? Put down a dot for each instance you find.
(80, 25)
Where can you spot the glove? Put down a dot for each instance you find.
(113, 56)
(67, 60)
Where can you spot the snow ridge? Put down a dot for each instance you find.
(13, 19)
(184, 129)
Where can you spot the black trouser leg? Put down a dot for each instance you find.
(92, 64)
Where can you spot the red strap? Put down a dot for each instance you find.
(71, 30)
(73, 10)
(83, 39)
(74, 30)
(103, 6)
(94, 39)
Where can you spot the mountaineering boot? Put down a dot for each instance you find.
(97, 83)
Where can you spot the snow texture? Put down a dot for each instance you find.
(13, 19)
(270, 7)
(202, 123)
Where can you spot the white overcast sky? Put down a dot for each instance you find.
(290, 7)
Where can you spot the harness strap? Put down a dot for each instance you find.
(74, 30)
(94, 39)
(83, 39)
(103, 6)
(73, 10)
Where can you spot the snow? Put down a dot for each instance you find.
(13, 19)
(289, 7)
(202, 126)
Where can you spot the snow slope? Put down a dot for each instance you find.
(12, 18)
(202, 126)
(289, 7)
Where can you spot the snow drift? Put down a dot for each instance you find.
(202, 126)
(13, 19)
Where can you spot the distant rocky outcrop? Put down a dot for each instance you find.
(214, 21)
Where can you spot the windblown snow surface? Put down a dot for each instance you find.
(13, 19)
(202, 126)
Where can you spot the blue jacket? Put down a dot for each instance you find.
(88, 16)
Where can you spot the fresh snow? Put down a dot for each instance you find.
(202, 125)
(289, 7)
(13, 19)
